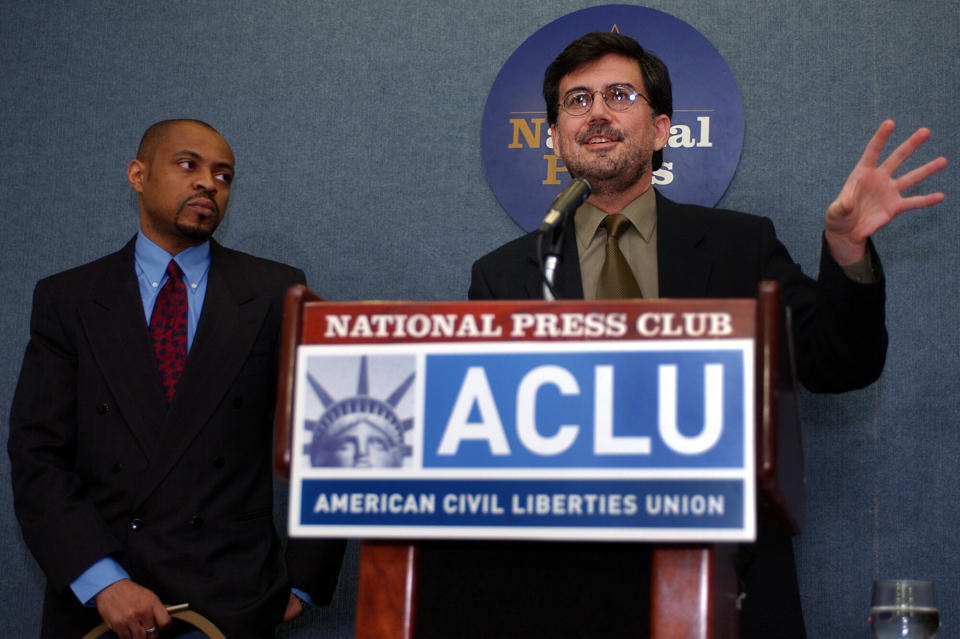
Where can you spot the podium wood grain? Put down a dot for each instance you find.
(386, 590)
(693, 592)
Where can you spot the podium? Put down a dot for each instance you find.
(693, 583)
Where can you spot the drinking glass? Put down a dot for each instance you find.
(903, 608)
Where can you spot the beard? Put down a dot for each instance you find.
(200, 230)
(610, 176)
(609, 172)
(194, 231)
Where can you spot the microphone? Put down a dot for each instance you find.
(565, 204)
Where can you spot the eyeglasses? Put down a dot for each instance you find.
(618, 97)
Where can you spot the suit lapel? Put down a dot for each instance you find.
(229, 324)
(114, 323)
(683, 269)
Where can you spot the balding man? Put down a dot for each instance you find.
(141, 428)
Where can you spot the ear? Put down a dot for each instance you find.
(662, 125)
(555, 138)
(136, 174)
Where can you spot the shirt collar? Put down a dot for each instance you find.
(642, 213)
(152, 260)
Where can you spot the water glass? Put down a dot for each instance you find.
(903, 609)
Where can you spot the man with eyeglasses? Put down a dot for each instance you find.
(609, 105)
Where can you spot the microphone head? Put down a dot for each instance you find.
(566, 203)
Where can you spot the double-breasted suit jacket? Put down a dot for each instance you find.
(180, 495)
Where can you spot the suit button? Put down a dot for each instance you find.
(103, 408)
(219, 462)
(117, 467)
(238, 402)
(136, 524)
(196, 522)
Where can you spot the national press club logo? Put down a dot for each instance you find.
(706, 134)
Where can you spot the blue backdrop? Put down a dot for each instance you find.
(356, 126)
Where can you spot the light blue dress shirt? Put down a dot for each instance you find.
(150, 263)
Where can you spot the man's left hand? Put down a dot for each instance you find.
(872, 196)
(294, 608)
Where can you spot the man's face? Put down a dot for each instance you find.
(612, 149)
(184, 186)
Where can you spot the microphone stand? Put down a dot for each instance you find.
(548, 257)
(552, 228)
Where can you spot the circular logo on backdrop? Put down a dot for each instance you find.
(706, 133)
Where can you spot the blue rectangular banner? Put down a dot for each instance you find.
(677, 503)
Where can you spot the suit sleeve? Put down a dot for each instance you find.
(838, 324)
(62, 528)
(314, 566)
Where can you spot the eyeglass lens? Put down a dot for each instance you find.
(618, 97)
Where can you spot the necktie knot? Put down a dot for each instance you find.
(616, 225)
(174, 271)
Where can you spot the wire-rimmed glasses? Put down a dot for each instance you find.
(618, 97)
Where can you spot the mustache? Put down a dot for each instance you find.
(200, 197)
(601, 129)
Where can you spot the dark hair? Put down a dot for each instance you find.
(593, 46)
(152, 136)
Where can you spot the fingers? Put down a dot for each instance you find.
(161, 617)
(919, 174)
(130, 610)
(871, 196)
(871, 155)
(906, 149)
(921, 201)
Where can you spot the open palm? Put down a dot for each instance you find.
(872, 196)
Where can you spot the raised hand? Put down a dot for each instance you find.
(872, 195)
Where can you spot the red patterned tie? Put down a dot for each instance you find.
(168, 329)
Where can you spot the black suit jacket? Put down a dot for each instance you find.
(839, 331)
(840, 342)
(181, 496)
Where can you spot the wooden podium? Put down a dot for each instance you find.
(694, 589)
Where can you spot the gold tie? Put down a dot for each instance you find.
(616, 278)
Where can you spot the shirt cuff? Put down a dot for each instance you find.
(861, 271)
(105, 572)
(304, 598)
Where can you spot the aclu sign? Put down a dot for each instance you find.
(706, 135)
(509, 421)
(593, 409)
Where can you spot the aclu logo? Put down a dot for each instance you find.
(359, 427)
(706, 136)
(583, 409)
